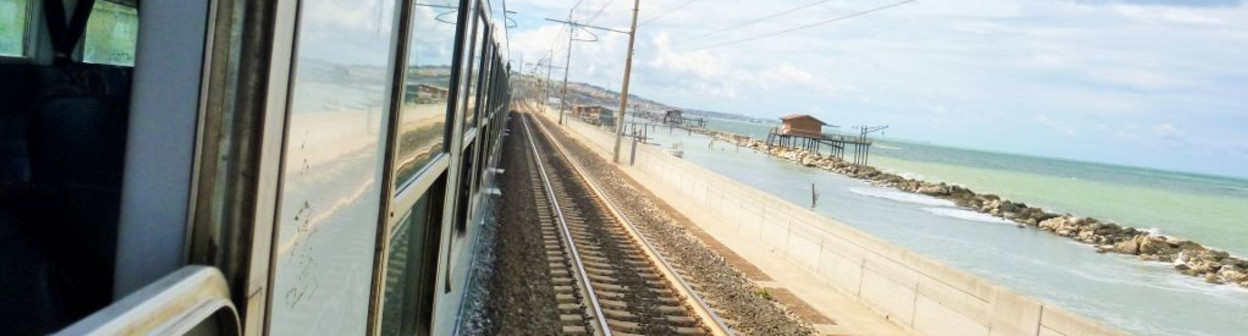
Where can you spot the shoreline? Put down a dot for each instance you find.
(1187, 257)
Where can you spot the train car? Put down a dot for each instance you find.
(229, 167)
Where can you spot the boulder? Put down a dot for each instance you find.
(1155, 245)
(1008, 206)
(1232, 274)
(1201, 267)
(808, 161)
(933, 190)
(1086, 235)
(1131, 247)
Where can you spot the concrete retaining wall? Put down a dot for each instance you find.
(911, 290)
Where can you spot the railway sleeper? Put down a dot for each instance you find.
(614, 304)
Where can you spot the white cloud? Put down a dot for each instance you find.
(1167, 131)
(1144, 79)
(702, 63)
(1060, 128)
(1053, 66)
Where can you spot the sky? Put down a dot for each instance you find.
(1152, 83)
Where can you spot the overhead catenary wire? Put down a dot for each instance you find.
(806, 26)
(668, 12)
(600, 10)
(751, 22)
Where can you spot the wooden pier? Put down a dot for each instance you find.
(836, 144)
(806, 132)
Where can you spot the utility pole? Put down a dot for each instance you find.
(567, 67)
(572, 27)
(628, 70)
(546, 84)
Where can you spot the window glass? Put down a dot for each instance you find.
(465, 67)
(112, 34)
(483, 100)
(470, 112)
(410, 269)
(327, 225)
(423, 112)
(465, 189)
(13, 27)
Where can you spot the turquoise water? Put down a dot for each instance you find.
(1138, 297)
(1207, 209)
(1212, 210)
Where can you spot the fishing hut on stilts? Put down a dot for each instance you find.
(802, 131)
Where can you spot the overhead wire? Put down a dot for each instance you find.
(600, 9)
(751, 22)
(806, 26)
(669, 12)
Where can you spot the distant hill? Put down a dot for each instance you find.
(589, 94)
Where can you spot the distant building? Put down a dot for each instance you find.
(426, 93)
(673, 117)
(606, 117)
(802, 125)
(594, 114)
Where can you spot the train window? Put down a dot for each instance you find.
(465, 65)
(483, 92)
(325, 234)
(411, 266)
(112, 34)
(14, 20)
(426, 102)
(470, 112)
(464, 192)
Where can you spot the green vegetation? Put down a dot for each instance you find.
(764, 293)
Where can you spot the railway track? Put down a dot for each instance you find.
(609, 280)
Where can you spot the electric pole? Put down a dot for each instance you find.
(572, 28)
(628, 70)
(567, 67)
(546, 84)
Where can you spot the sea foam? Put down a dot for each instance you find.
(901, 196)
(967, 215)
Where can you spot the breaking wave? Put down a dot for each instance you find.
(901, 196)
(967, 215)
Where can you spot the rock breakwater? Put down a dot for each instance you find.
(1187, 257)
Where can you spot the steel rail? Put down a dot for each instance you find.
(583, 277)
(701, 308)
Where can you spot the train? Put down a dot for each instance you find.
(230, 167)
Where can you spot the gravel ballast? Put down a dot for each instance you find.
(521, 298)
(734, 295)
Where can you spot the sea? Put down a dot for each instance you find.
(1138, 297)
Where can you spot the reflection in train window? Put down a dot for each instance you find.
(13, 23)
(423, 113)
(465, 190)
(410, 268)
(479, 47)
(465, 65)
(325, 234)
(112, 34)
(486, 76)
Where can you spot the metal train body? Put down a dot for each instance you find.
(290, 166)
